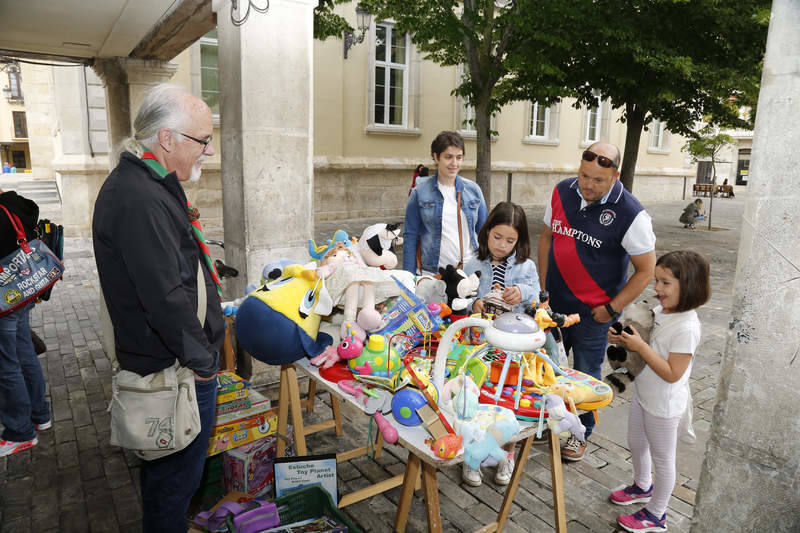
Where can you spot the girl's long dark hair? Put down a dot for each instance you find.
(512, 215)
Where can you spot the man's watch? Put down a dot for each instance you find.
(614, 314)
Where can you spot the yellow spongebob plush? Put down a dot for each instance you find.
(277, 324)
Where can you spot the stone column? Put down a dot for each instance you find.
(266, 109)
(141, 74)
(81, 161)
(750, 476)
(125, 81)
(118, 106)
(81, 166)
(37, 84)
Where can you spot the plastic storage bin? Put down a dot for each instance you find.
(310, 502)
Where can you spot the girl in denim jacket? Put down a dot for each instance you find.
(502, 260)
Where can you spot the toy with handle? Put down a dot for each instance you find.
(378, 400)
(387, 429)
(421, 386)
(513, 332)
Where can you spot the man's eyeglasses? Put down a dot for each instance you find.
(208, 141)
(602, 160)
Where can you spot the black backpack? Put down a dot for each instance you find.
(53, 236)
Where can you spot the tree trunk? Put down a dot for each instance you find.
(713, 185)
(634, 120)
(483, 169)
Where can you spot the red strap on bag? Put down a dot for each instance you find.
(22, 241)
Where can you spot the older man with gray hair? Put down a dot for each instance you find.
(150, 252)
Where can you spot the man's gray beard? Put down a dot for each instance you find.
(197, 169)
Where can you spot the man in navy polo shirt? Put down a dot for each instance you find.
(593, 227)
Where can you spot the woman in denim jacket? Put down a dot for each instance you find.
(431, 225)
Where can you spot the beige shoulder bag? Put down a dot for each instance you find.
(155, 415)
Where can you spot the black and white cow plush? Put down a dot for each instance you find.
(376, 245)
(639, 315)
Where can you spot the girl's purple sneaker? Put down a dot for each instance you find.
(642, 522)
(631, 494)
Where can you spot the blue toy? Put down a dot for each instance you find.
(405, 403)
(485, 446)
(318, 251)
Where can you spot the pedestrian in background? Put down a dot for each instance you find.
(421, 170)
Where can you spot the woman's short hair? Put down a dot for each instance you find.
(693, 274)
(445, 140)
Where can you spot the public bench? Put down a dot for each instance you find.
(701, 189)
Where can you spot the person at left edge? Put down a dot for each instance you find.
(23, 407)
(147, 251)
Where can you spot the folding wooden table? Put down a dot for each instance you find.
(420, 458)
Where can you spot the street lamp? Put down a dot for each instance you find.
(364, 21)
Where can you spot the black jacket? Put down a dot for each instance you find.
(28, 213)
(147, 262)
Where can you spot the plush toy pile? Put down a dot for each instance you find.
(397, 330)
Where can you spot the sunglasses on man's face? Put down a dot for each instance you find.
(602, 160)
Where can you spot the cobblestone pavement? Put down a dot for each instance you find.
(74, 480)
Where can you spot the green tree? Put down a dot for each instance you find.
(706, 144)
(480, 35)
(672, 60)
(327, 23)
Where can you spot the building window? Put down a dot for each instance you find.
(209, 70)
(594, 117)
(468, 117)
(391, 76)
(743, 167)
(18, 159)
(596, 121)
(465, 113)
(20, 126)
(14, 84)
(659, 137)
(704, 170)
(541, 124)
(393, 85)
(540, 121)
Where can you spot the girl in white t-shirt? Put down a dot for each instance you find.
(661, 391)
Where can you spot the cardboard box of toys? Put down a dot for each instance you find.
(249, 468)
(234, 433)
(242, 415)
